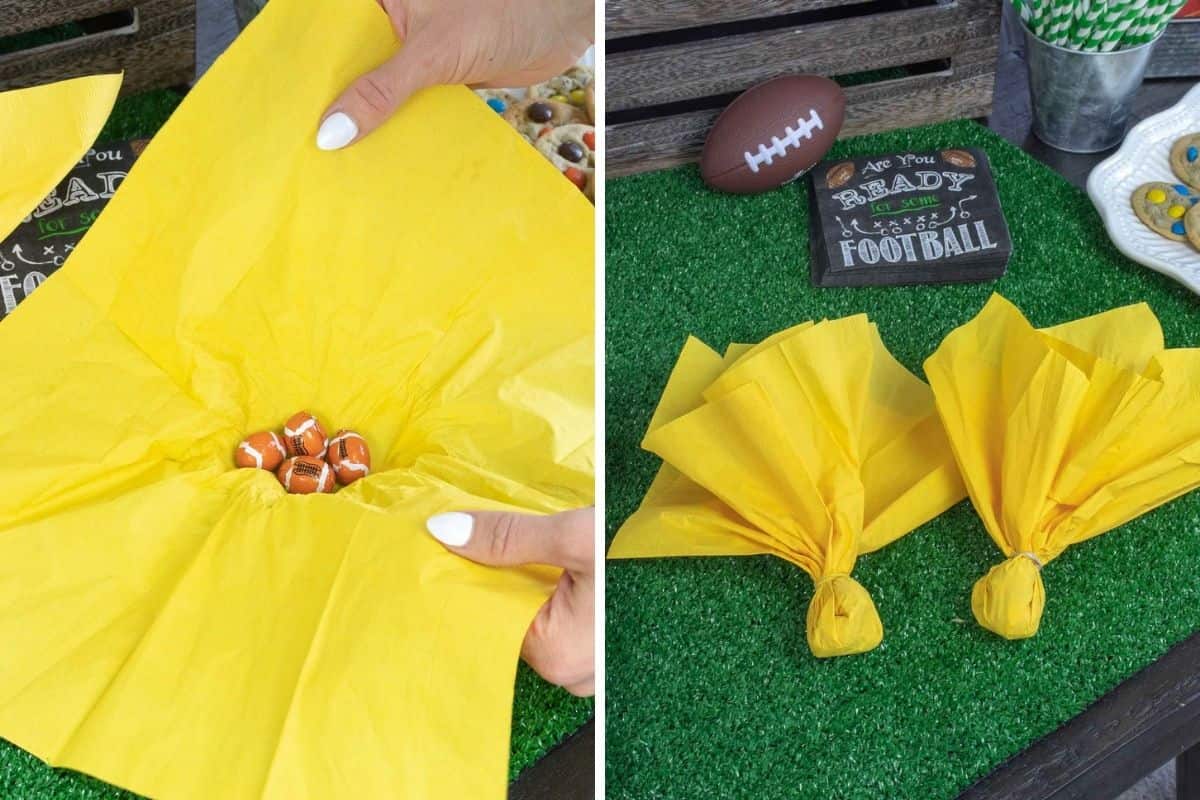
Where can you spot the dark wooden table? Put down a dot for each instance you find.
(1154, 716)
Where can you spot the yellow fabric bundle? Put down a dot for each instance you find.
(187, 630)
(814, 446)
(1062, 434)
(54, 129)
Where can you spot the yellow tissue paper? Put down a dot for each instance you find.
(814, 446)
(1062, 434)
(43, 133)
(187, 630)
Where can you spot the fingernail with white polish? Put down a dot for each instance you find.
(337, 131)
(452, 529)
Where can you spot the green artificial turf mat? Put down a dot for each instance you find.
(139, 116)
(712, 691)
(543, 715)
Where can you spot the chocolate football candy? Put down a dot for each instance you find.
(349, 456)
(304, 436)
(772, 134)
(264, 450)
(305, 475)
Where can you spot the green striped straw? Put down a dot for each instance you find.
(1060, 22)
(1097, 25)
(1125, 20)
(1086, 23)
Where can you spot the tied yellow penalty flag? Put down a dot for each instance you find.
(815, 446)
(1062, 434)
(187, 630)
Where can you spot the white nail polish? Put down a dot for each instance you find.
(337, 131)
(452, 529)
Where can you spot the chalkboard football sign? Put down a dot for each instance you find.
(905, 218)
(44, 239)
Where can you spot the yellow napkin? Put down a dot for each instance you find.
(815, 446)
(187, 630)
(1062, 434)
(54, 129)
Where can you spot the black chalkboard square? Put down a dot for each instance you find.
(44, 240)
(905, 218)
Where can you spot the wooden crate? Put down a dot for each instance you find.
(672, 65)
(152, 41)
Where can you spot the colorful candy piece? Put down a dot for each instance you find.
(540, 112)
(576, 176)
(589, 139)
(1176, 212)
(558, 98)
(578, 97)
(1178, 228)
(1183, 190)
(572, 151)
(497, 105)
(1192, 154)
(1156, 196)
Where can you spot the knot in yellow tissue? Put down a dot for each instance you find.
(842, 619)
(1009, 599)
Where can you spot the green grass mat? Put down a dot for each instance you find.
(712, 691)
(543, 715)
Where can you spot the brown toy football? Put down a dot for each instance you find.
(263, 450)
(305, 475)
(772, 134)
(304, 436)
(349, 456)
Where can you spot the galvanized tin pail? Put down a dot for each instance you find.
(1082, 101)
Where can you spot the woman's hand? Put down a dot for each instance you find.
(494, 43)
(560, 644)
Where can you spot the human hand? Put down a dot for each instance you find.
(484, 43)
(560, 644)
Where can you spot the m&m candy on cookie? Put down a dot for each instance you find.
(349, 456)
(306, 475)
(1162, 207)
(304, 436)
(1185, 160)
(264, 450)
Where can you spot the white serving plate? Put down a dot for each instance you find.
(1143, 157)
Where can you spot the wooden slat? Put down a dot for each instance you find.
(22, 16)
(1177, 54)
(637, 79)
(964, 91)
(637, 17)
(161, 52)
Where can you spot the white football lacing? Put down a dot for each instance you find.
(779, 147)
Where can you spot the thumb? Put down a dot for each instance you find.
(504, 539)
(372, 99)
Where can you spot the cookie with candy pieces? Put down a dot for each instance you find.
(304, 436)
(569, 87)
(497, 100)
(1161, 207)
(349, 457)
(306, 475)
(262, 450)
(572, 148)
(1185, 160)
(536, 118)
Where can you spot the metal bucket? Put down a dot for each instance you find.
(1082, 101)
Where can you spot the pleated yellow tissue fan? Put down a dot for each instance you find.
(1062, 434)
(187, 630)
(814, 446)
